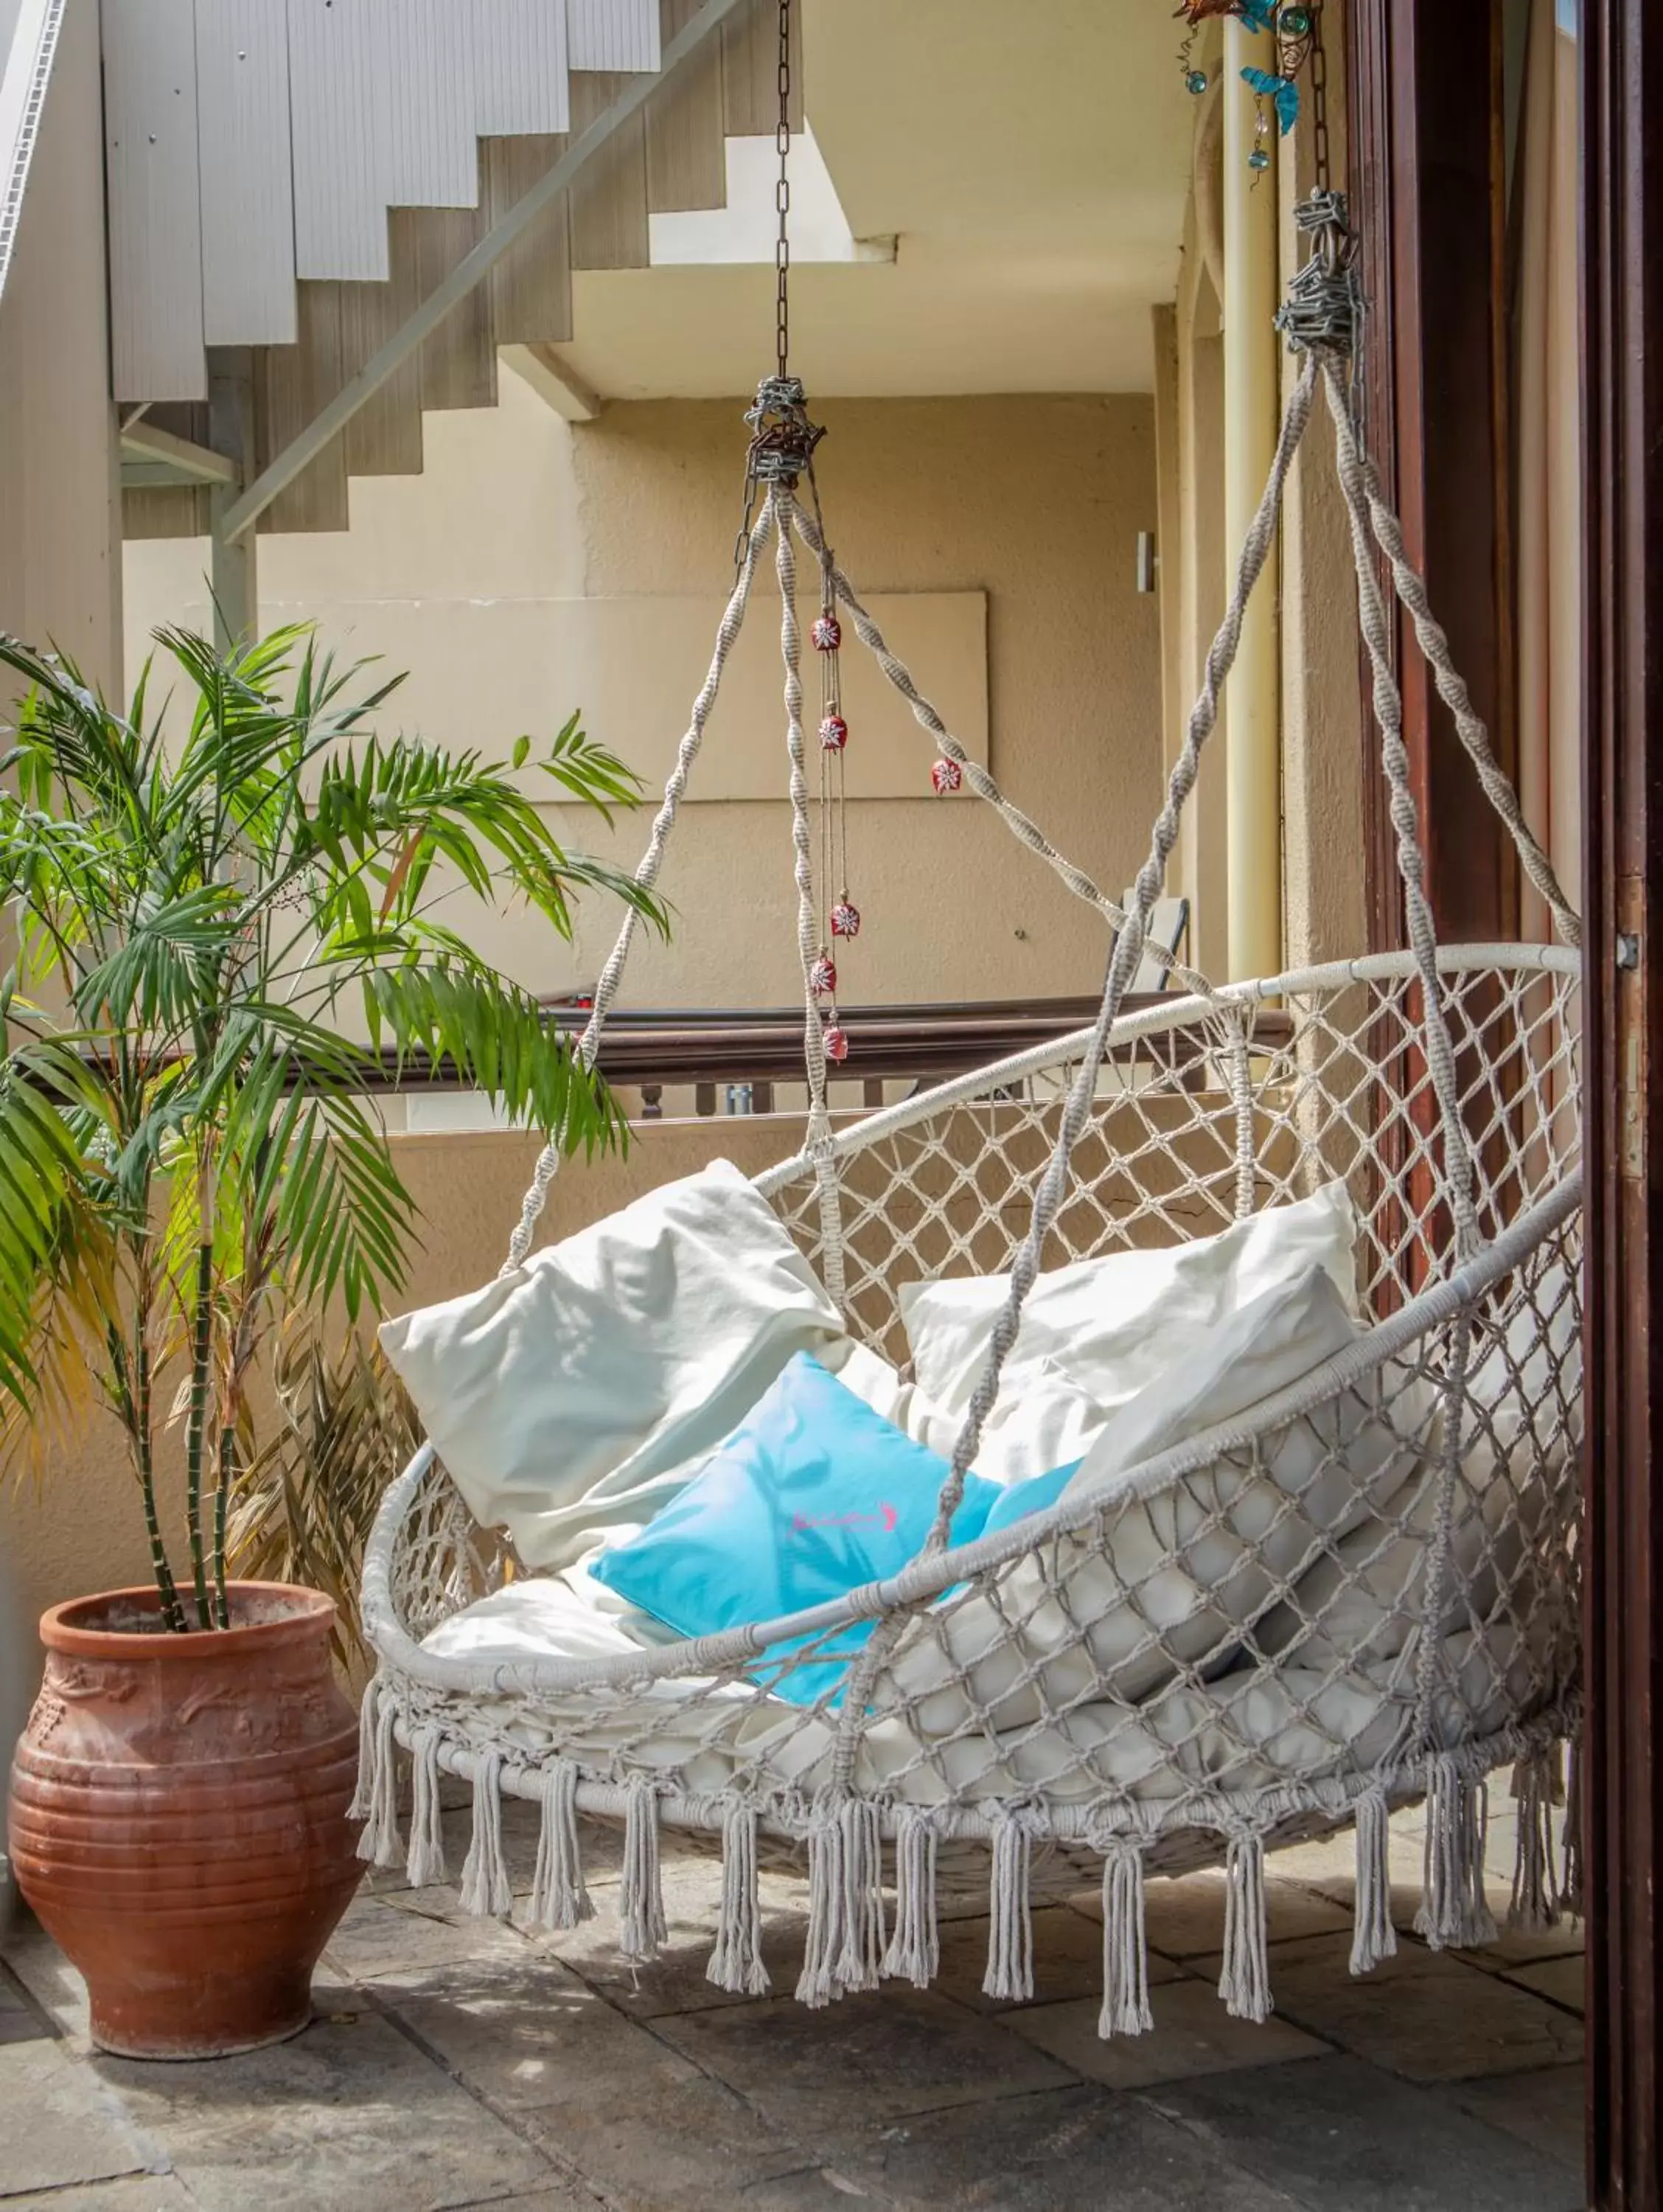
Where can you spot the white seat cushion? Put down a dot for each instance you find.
(1183, 1570)
(566, 1398)
(1113, 1324)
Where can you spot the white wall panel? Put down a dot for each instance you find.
(154, 199)
(247, 196)
(519, 67)
(425, 101)
(613, 35)
(340, 208)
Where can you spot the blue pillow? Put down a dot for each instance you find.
(813, 1495)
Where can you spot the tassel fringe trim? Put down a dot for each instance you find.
(486, 1890)
(1245, 1983)
(425, 1863)
(559, 1897)
(1373, 1936)
(914, 1952)
(1010, 1976)
(1535, 1903)
(1454, 1913)
(846, 1923)
(736, 1964)
(375, 1801)
(642, 1929)
(1125, 1944)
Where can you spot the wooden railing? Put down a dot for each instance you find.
(751, 1050)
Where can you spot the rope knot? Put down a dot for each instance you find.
(1324, 309)
(783, 439)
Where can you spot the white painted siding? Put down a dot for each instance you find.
(247, 198)
(520, 65)
(613, 35)
(425, 102)
(154, 200)
(340, 208)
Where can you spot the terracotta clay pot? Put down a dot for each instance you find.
(179, 1815)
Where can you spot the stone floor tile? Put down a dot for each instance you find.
(1078, 2149)
(349, 2114)
(1341, 2137)
(1546, 2110)
(676, 1980)
(1185, 1916)
(857, 2063)
(141, 2192)
(1562, 1980)
(20, 2021)
(47, 1976)
(1422, 2014)
(816, 2189)
(1193, 2035)
(59, 2124)
(559, 2196)
(397, 1935)
(529, 2032)
(1068, 1961)
(694, 2147)
(1514, 1948)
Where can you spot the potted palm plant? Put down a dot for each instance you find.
(219, 908)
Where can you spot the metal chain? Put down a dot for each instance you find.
(1319, 101)
(782, 198)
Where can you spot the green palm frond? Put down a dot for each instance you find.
(210, 890)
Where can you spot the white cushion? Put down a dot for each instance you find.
(1180, 1570)
(566, 1398)
(1113, 1324)
(1042, 1422)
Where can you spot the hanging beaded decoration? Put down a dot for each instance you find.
(828, 635)
(1295, 28)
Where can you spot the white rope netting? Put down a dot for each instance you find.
(1364, 1591)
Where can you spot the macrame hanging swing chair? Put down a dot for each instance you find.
(1360, 1592)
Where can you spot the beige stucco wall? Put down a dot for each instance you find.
(1035, 502)
(60, 571)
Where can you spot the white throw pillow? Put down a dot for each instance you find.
(1079, 1620)
(568, 1397)
(1113, 1324)
(1042, 1423)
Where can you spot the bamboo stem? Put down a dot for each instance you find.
(201, 1352)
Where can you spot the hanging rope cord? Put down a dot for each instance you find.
(1370, 517)
(646, 875)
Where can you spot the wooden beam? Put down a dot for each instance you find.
(1622, 169)
(554, 380)
(154, 456)
(285, 465)
(1423, 100)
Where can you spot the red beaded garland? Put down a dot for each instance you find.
(828, 633)
(837, 1044)
(834, 733)
(845, 920)
(822, 975)
(946, 775)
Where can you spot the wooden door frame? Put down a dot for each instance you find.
(1424, 107)
(1622, 66)
(1401, 170)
